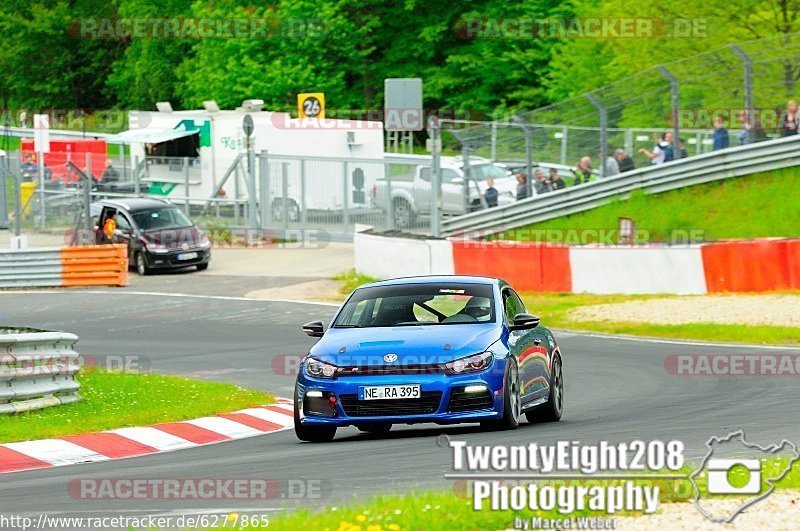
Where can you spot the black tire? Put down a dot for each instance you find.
(202, 267)
(551, 410)
(512, 402)
(315, 434)
(141, 264)
(403, 215)
(375, 429)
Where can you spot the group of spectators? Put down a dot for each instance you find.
(753, 130)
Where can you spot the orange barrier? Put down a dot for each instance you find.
(526, 266)
(94, 265)
(752, 266)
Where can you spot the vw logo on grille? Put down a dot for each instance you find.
(390, 358)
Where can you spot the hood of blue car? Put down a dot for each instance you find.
(411, 344)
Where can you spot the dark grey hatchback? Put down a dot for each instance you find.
(158, 234)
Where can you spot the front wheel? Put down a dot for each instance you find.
(512, 402)
(202, 267)
(551, 410)
(141, 264)
(312, 433)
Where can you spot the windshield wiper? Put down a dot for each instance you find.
(348, 326)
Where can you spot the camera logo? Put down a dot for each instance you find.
(720, 472)
(734, 483)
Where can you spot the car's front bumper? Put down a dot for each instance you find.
(170, 260)
(442, 400)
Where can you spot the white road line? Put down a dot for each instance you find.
(675, 341)
(269, 416)
(155, 438)
(56, 451)
(334, 304)
(230, 428)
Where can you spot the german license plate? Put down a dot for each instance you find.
(387, 392)
(187, 256)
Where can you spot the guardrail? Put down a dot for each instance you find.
(704, 168)
(91, 265)
(37, 369)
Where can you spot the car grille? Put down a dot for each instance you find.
(382, 370)
(461, 401)
(425, 405)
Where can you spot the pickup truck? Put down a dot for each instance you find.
(411, 194)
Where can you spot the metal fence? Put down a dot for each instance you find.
(284, 195)
(747, 85)
(37, 369)
(731, 162)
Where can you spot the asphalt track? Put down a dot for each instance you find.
(616, 390)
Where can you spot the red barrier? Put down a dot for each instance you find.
(752, 266)
(526, 266)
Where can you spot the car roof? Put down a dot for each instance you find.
(133, 204)
(435, 279)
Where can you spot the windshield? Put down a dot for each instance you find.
(481, 172)
(168, 217)
(418, 304)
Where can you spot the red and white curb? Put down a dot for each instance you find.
(132, 442)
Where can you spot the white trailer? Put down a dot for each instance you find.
(197, 148)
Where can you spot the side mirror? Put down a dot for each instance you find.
(524, 321)
(314, 328)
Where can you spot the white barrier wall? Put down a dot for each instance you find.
(384, 257)
(637, 270)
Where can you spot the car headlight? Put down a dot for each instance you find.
(320, 369)
(157, 248)
(204, 243)
(474, 363)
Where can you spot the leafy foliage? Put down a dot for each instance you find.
(346, 48)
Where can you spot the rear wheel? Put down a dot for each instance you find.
(312, 433)
(551, 410)
(375, 429)
(403, 215)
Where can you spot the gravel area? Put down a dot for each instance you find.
(773, 309)
(780, 511)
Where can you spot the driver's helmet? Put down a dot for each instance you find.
(478, 307)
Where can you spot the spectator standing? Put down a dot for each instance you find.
(751, 131)
(789, 120)
(662, 151)
(110, 174)
(624, 161)
(491, 193)
(522, 185)
(541, 186)
(555, 180)
(583, 171)
(721, 138)
(611, 166)
(682, 147)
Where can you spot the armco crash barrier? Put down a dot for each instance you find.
(730, 266)
(92, 265)
(37, 369)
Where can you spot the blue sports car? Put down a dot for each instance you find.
(442, 349)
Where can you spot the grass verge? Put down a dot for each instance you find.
(554, 309)
(453, 509)
(118, 399)
(351, 280)
(715, 209)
